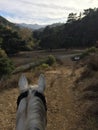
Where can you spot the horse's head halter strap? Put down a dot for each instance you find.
(36, 93)
(22, 95)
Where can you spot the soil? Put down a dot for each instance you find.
(63, 111)
(60, 104)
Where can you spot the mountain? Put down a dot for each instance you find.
(31, 26)
(5, 23)
(55, 25)
(37, 26)
(10, 40)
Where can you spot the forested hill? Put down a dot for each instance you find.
(14, 39)
(10, 41)
(78, 31)
(5, 23)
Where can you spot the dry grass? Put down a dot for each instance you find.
(58, 99)
(68, 109)
(86, 93)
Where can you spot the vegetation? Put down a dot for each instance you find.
(87, 52)
(42, 63)
(80, 31)
(2, 53)
(11, 42)
(14, 39)
(6, 66)
(50, 60)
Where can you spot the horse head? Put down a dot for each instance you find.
(31, 105)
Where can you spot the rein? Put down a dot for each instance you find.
(37, 94)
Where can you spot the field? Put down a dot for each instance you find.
(64, 112)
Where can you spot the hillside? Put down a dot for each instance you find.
(80, 32)
(85, 91)
(37, 26)
(14, 39)
(5, 23)
(31, 26)
(71, 93)
(11, 42)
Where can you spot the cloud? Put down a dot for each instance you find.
(42, 11)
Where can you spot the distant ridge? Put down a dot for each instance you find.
(31, 26)
(37, 26)
(5, 22)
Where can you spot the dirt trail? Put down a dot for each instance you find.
(61, 107)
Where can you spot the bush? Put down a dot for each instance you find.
(2, 53)
(6, 66)
(50, 60)
(88, 51)
(91, 50)
(45, 66)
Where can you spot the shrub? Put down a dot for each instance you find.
(2, 53)
(42, 67)
(50, 60)
(6, 66)
(91, 50)
(45, 66)
(88, 51)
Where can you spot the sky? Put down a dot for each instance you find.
(42, 11)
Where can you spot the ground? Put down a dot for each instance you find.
(63, 112)
(59, 102)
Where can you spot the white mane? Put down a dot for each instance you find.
(31, 113)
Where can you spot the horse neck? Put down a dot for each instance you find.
(31, 114)
(36, 114)
(21, 115)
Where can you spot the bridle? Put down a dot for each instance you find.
(36, 93)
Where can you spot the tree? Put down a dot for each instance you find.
(0, 42)
(2, 53)
(71, 17)
(6, 66)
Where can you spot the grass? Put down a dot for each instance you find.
(86, 92)
(64, 110)
(45, 63)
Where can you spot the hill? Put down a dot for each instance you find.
(31, 26)
(77, 32)
(10, 41)
(72, 98)
(14, 38)
(5, 23)
(37, 26)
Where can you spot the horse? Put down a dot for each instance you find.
(31, 105)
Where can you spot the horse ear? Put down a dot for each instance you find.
(41, 83)
(23, 83)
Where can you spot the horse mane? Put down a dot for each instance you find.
(31, 106)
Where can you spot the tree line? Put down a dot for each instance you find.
(79, 31)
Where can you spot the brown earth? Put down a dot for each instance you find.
(59, 101)
(64, 111)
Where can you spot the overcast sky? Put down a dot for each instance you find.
(42, 11)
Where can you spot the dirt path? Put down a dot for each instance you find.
(61, 107)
